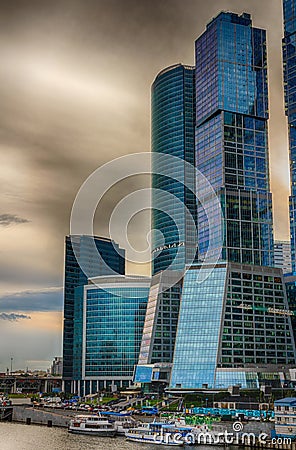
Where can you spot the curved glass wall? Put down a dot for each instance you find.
(173, 116)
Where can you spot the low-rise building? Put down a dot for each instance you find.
(108, 325)
(285, 417)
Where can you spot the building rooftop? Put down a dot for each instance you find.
(172, 67)
(242, 19)
(289, 401)
(118, 279)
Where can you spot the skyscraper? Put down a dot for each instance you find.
(231, 136)
(173, 117)
(234, 327)
(289, 56)
(107, 259)
(174, 233)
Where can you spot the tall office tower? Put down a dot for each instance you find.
(282, 256)
(106, 260)
(173, 116)
(231, 136)
(234, 327)
(289, 56)
(108, 325)
(174, 235)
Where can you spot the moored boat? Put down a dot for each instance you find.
(159, 433)
(93, 425)
(122, 421)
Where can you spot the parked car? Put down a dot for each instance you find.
(149, 410)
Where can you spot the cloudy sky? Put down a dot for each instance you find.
(75, 82)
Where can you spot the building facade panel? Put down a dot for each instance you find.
(161, 321)
(197, 342)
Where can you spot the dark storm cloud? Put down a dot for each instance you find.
(11, 219)
(13, 317)
(75, 84)
(29, 301)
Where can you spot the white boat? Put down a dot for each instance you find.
(122, 421)
(159, 433)
(123, 425)
(93, 425)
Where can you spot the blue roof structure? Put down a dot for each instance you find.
(289, 401)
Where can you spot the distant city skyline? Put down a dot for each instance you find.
(75, 90)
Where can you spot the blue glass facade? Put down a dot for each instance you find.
(289, 56)
(234, 327)
(108, 329)
(200, 317)
(173, 118)
(231, 137)
(108, 260)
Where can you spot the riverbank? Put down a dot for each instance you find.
(60, 418)
(29, 415)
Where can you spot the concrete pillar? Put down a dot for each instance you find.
(79, 391)
(84, 385)
(97, 385)
(45, 385)
(90, 387)
(105, 384)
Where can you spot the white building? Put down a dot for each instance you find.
(282, 255)
(285, 417)
(57, 366)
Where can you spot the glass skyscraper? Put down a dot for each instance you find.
(231, 136)
(173, 118)
(235, 326)
(107, 260)
(108, 326)
(289, 56)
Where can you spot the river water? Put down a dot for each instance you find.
(14, 436)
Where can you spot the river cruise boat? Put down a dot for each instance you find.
(92, 425)
(122, 421)
(159, 433)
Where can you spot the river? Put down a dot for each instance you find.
(14, 436)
